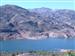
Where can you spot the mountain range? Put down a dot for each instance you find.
(38, 23)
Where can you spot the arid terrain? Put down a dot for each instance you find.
(38, 23)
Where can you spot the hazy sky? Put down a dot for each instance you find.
(53, 4)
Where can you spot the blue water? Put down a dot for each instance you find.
(27, 45)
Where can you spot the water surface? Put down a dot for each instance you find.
(27, 45)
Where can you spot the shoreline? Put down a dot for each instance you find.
(32, 53)
(36, 36)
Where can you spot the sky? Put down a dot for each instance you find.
(52, 4)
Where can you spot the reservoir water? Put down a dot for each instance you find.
(28, 45)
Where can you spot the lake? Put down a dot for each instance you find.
(28, 45)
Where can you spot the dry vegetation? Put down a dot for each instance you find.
(40, 53)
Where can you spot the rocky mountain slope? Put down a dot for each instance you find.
(38, 23)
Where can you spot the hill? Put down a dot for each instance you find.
(39, 23)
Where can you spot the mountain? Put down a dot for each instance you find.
(39, 23)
